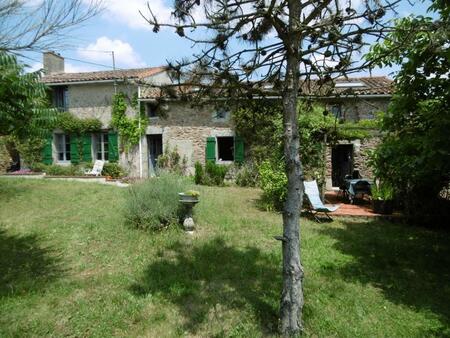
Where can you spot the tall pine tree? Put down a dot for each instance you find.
(247, 48)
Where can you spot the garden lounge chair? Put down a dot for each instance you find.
(315, 203)
(97, 169)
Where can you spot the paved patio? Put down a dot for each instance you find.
(361, 208)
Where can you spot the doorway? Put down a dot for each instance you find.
(341, 163)
(155, 148)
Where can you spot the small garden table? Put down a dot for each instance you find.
(357, 186)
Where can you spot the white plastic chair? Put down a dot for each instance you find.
(97, 169)
(315, 203)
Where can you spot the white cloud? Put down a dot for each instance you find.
(98, 52)
(127, 12)
(78, 68)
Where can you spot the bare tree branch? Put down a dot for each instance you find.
(46, 25)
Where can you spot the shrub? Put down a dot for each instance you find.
(171, 161)
(247, 175)
(113, 169)
(30, 150)
(59, 170)
(212, 174)
(382, 191)
(5, 158)
(154, 204)
(215, 174)
(273, 182)
(198, 178)
(38, 167)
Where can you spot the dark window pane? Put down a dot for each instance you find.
(225, 147)
(151, 109)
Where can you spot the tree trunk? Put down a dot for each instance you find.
(292, 295)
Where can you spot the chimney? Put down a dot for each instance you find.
(53, 63)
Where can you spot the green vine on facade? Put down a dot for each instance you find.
(74, 125)
(78, 128)
(130, 129)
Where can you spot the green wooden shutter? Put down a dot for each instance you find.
(87, 148)
(74, 149)
(211, 149)
(238, 149)
(47, 151)
(113, 147)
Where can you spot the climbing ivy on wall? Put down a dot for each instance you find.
(74, 125)
(129, 129)
(80, 130)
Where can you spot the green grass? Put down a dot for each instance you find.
(70, 267)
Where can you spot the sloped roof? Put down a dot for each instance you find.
(344, 87)
(374, 85)
(348, 87)
(137, 73)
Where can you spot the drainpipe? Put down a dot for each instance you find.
(140, 138)
(114, 68)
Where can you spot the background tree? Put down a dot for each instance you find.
(245, 46)
(32, 26)
(24, 108)
(414, 156)
(42, 25)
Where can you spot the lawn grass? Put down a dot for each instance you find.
(70, 267)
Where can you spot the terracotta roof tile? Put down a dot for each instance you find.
(375, 85)
(137, 73)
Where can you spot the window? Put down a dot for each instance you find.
(151, 109)
(62, 144)
(349, 85)
(101, 150)
(221, 114)
(60, 98)
(225, 148)
(336, 110)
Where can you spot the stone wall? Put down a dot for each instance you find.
(95, 100)
(188, 127)
(361, 156)
(183, 114)
(355, 109)
(189, 141)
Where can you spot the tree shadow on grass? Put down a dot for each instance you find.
(25, 265)
(410, 265)
(198, 279)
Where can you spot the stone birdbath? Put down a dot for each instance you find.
(189, 199)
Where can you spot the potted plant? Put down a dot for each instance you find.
(383, 198)
(189, 196)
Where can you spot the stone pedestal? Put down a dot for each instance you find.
(188, 203)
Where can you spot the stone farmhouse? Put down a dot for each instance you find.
(200, 133)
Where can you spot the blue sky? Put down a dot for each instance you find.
(121, 28)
